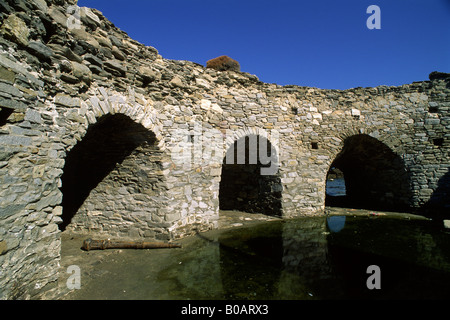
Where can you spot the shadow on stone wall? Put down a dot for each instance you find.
(439, 204)
(106, 144)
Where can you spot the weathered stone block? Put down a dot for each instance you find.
(33, 116)
(9, 90)
(89, 18)
(15, 140)
(115, 67)
(40, 5)
(432, 121)
(93, 59)
(67, 101)
(81, 72)
(177, 82)
(7, 75)
(69, 78)
(40, 50)
(16, 30)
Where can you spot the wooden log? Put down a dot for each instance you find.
(90, 244)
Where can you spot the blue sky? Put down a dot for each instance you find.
(320, 43)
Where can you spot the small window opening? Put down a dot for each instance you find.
(4, 115)
(438, 142)
(433, 110)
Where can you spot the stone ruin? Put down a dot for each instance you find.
(100, 135)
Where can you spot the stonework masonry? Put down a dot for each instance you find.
(90, 124)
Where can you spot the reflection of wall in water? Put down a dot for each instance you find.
(430, 251)
(304, 257)
(251, 261)
(199, 273)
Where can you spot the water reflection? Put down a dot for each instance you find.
(336, 223)
(300, 259)
(251, 261)
(304, 258)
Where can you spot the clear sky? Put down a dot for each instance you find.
(316, 43)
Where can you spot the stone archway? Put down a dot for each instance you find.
(250, 182)
(112, 182)
(375, 176)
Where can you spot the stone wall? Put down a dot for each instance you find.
(62, 78)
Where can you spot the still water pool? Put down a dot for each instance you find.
(302, 258)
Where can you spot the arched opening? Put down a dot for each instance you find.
(335, 188)
(112, 180)
(367, 174)
(250, 178)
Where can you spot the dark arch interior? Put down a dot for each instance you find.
(375, 177)
(106, 144)
(243, 186)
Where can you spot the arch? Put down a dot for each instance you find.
(112, 179)
(272, 138)
(250, 179)
(375, 176)
(103, 102)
